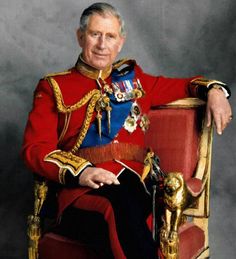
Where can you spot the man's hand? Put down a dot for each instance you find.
(96, 177)
(218, 109)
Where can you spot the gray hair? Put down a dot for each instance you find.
(101, 9)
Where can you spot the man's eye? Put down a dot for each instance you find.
(95, 34)
(110, 36)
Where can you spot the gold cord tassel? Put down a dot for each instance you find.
(99, 120)
(104, 104)
(108, 109)
(147, 165)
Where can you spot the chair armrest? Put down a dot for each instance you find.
(195, 186)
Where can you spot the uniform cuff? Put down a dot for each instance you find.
(68, 179)
(199, 87)
(70, 165)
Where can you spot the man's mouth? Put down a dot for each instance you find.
(102, 55)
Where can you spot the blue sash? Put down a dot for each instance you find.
(119, 112)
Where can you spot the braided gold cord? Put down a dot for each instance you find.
(59, 99)
(65, 127)
(89, 113)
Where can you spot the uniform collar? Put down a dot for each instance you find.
(92, 72)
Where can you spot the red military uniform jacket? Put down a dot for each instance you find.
(58, 116)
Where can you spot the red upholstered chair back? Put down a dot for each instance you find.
(174, 136)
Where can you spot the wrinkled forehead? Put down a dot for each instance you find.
(104, 19)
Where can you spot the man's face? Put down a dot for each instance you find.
(101, 42)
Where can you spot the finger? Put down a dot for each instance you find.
(107, 179)
(92, 184)
(116, 182)
(218, 124)
(112, 181)
(209, 118)
(227, 119)
(225, 122)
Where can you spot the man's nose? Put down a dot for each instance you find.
(102, 42)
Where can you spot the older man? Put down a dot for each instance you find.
(86, 132)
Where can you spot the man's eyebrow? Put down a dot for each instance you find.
(93, 30)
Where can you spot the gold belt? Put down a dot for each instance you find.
(113, 151)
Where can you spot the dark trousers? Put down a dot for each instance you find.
(131, 206)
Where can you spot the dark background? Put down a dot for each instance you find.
(177, 38)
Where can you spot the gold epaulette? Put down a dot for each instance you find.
(58, 74)
(124, 61)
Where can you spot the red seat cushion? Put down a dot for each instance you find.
(191, 241)
(53, 246)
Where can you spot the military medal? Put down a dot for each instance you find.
(127, 90)
(123, 91)
(131, 121)
(130, 124)
(136, 119)
(120, 97)
(144, 123)
(135, 110)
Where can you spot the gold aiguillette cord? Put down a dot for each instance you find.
(103, 104)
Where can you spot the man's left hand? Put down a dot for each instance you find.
(218, 110)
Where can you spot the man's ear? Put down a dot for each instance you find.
(122, 41)
(80, 37)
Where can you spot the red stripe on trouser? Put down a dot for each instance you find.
(103, 206)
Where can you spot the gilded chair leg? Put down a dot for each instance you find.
(170, 247)
(34, 228)
(175, 199)
(34, 234)
(169, 240)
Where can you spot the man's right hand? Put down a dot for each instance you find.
(96, 177)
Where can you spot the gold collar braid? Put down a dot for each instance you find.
(92, 72)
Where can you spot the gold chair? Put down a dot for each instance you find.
(178, 134)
